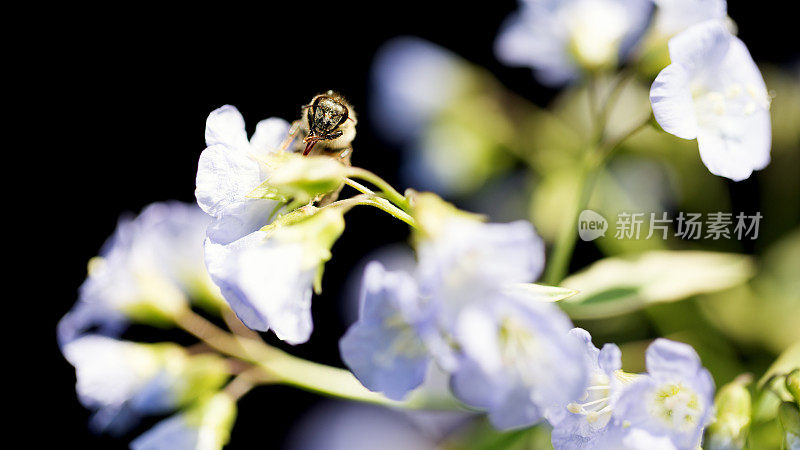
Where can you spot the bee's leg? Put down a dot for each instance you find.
(295, 131)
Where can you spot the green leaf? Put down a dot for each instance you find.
(619, 285)
(540, 292)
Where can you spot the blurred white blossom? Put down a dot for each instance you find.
(507, 349)
(147, 270)
(673, 16)
(561, 38)
(714, 92)
(122, 380)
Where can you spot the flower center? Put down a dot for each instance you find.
(596, 401)
(734, 100)
(595, 404)
(405, 343)
(676, 405)
(596, 28)
(520, 350)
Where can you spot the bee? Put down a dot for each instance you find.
(327, 126)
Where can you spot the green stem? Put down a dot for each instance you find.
(277, 366)
(565, 242)
(378, 202)
(608, 149)
(567, 237)
(622, 80)
(358, 186)
(386, 189)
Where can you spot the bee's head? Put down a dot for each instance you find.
(329, 118)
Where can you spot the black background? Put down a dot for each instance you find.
(132, 87)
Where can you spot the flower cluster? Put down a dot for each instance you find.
(509, 351)
(150, 271)
(254, 252)
(506, 351)
(708, 87)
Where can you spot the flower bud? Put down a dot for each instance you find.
(432, 213)
(793, 384)
(300, 178)
(733, 415)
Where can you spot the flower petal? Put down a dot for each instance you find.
(384, 349)
(665, 356)
(225, 126)
(220, 261)
(224, 177)
(239, 219)
(275, 284)
(700, 47)
(671, 98)
(610, 358)
(739, 66)
(268, 137)
(525, 41)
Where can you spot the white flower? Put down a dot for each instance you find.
(558, 38)
(122, 380)
(145, 272)
(230, 168)
(265, 284)
(268, 278)
(385, 348)
(714, 92)
(470, 261)
(414, 81)
(517, 360)
(674, 400)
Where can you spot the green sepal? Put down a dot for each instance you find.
(215, 415)
(300, 178)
